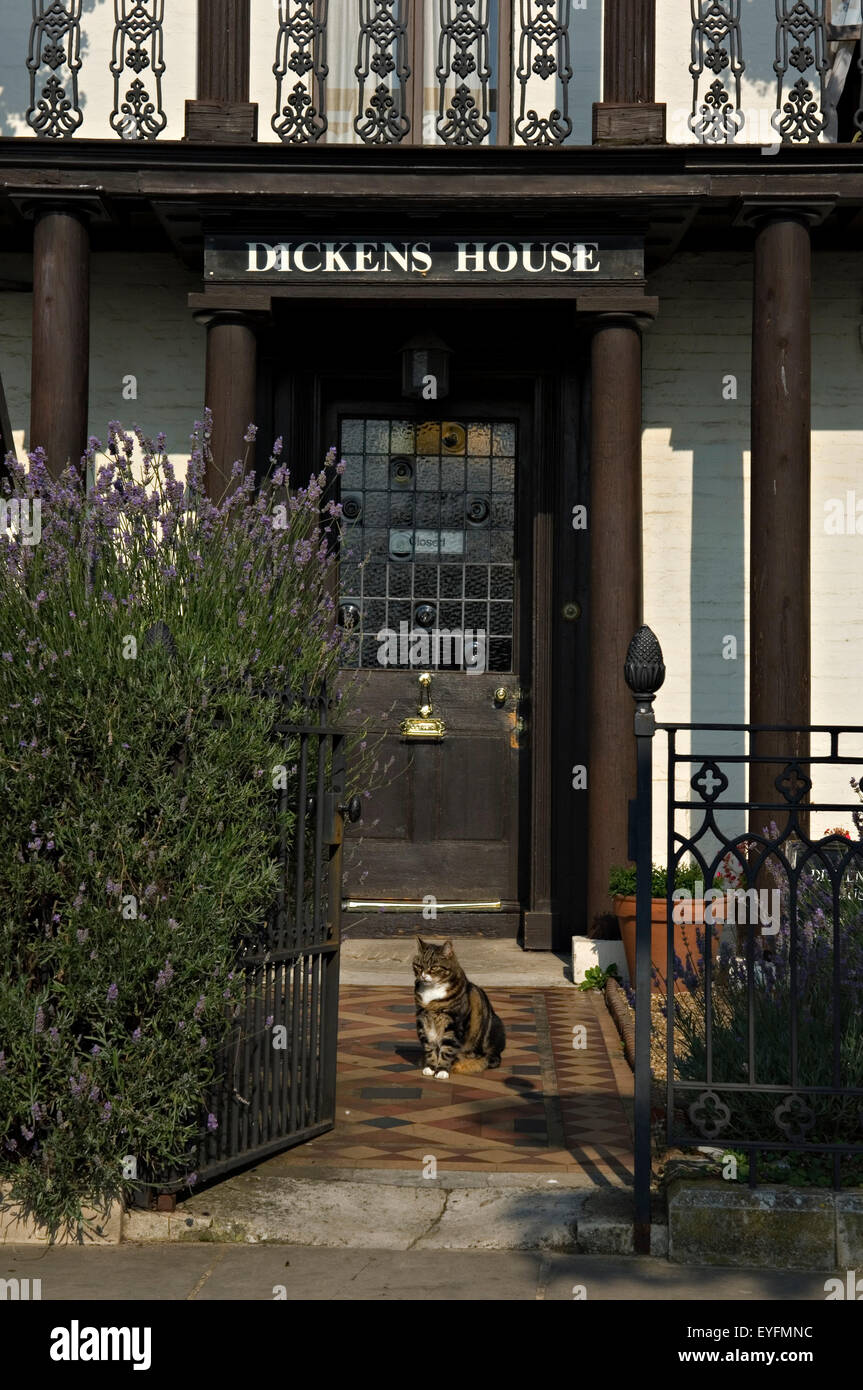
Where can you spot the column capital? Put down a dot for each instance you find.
(248, 318)
(87, 207)
(630, 317)
(754, 212)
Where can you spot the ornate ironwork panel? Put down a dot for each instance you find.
(54, 60)
(543, 53)
(463, 52)
(301, 72)
(716, 117)
(858, 115)
(801, 44)
(137, 64)
(382, 55)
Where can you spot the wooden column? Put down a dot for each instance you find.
(232, 360)
(60, 368)
(222, 112)
(540, 919)
(779, 492)
(615, 594)
(628, 114)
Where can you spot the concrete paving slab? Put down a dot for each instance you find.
(395, 1276)
(267, 1273)
(486, 961)
(252, 1209)
(598, 1279)
(117, 1272)
(508, 1220)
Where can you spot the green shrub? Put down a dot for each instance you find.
(621, 879)
(137, 811)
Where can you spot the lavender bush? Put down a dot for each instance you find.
(136, 804)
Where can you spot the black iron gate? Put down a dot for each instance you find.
(761, 985)
(277, 1066)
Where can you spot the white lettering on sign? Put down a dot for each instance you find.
(520, 258)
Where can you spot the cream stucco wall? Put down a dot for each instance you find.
(140, 327)
(695, 489)
(95, 80)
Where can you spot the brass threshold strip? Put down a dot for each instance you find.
(402, 905)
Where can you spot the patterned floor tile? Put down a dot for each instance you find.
(556, 1103)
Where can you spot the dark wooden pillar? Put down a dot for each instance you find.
(628, 114)
(779, 492)
(615, 594)
(222, 112)
(60, 369)
(232, 361)
(540, 919)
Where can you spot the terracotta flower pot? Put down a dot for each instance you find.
(685, 935)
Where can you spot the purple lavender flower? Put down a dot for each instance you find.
(165, 976)
(112, 994)
(212, 1123)
(39, 1024)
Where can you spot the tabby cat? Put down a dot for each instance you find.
(457, 1026)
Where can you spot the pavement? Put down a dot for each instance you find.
(211, 1273)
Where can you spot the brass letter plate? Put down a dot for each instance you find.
(416, 727)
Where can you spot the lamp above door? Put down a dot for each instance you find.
(425, 367)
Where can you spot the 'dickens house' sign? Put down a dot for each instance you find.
(310, 260)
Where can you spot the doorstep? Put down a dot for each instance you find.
(376, 961)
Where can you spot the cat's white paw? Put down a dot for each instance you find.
(428, 1071)
(441, 1076)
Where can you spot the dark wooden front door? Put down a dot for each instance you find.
(430, 574)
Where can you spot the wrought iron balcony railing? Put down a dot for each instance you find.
(452, 72)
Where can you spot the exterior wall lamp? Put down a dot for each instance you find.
(425, 368)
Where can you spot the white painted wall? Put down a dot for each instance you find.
(95, 81)
(758, 93)
(695, 490)
(141, 327)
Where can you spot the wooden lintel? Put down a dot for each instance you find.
(227, 298)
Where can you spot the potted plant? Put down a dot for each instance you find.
(695, 914)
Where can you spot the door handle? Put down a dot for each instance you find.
(423, 725)
(425, 704)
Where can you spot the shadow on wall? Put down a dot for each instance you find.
(711, 423)
(16, 21)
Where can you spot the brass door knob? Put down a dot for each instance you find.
(501, 695)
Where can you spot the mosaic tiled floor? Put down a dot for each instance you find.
(549, 1107)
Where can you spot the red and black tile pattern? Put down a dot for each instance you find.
(554, 1104)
